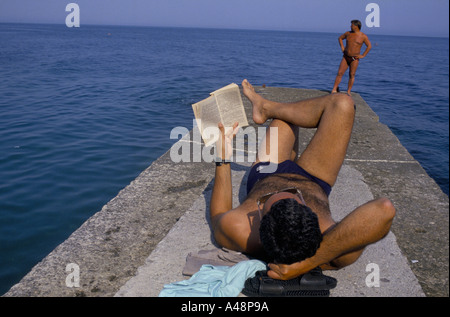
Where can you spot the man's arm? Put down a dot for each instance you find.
(341, 41)
(225, 229)
(222, 196)
(343, 244)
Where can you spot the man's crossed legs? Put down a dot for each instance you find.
(333, 117)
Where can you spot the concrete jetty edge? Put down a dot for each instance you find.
(111, 246)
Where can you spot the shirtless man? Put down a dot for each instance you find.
(352, 54)
(298, 190)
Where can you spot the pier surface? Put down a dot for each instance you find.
(139, 241)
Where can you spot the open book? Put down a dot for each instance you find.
(223, 105)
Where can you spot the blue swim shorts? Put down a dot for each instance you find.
(287, 167)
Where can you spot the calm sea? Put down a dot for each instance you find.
(83, 111)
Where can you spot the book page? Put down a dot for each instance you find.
(231, 106)
(207, 115)
(230, 86)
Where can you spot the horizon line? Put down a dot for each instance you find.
(220, 28)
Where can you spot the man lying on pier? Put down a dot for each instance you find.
(285, 218)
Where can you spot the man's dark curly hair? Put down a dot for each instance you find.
(290, 232)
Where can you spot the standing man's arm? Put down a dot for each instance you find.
(341, 41)
(368, 47)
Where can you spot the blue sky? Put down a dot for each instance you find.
(397, 17)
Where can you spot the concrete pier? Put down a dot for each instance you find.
(139, 241)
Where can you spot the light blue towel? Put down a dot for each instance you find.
(215, 281)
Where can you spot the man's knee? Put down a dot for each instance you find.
(387, 209)
(345, 104)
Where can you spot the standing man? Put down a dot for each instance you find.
(352, 54)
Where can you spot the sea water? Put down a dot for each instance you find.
(84, 110)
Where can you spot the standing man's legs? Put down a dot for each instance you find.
(351, 74)
(341, 71)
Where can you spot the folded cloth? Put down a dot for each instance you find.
(215, 281)
(216, 257)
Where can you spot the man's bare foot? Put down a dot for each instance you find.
(349, 93)
(257, 102)
(335, 90)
